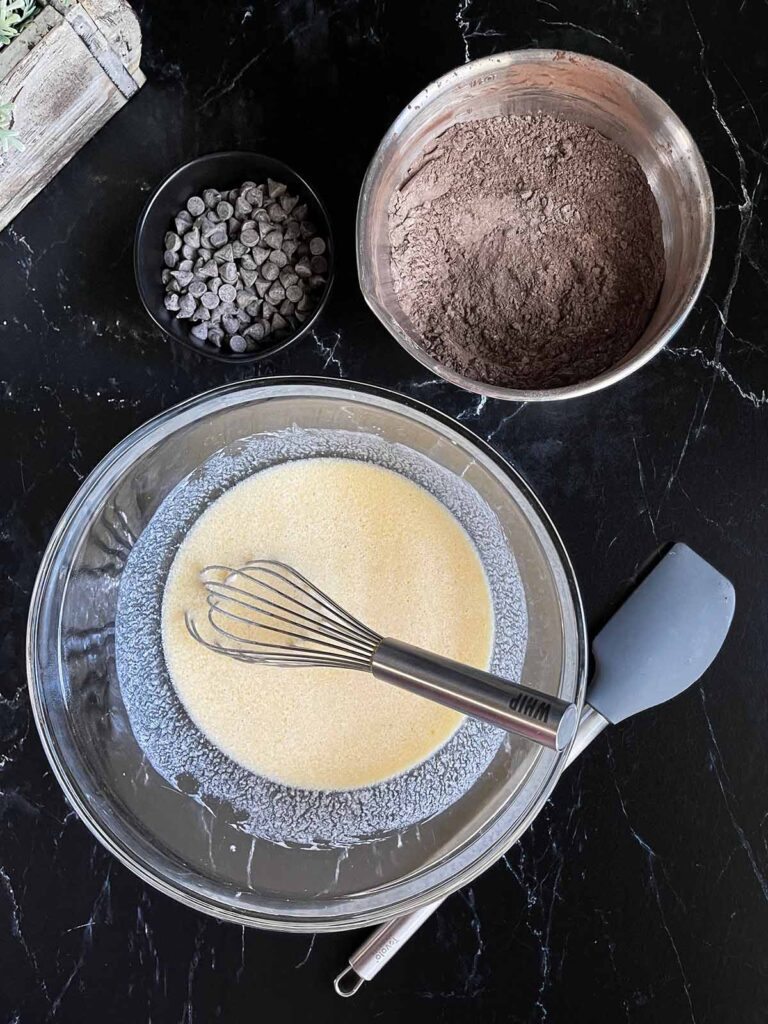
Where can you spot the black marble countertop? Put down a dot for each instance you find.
(641, 892)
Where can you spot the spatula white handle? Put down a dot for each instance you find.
(382, 944)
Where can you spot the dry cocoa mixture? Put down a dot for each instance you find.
(527, 251)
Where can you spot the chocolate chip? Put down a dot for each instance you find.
(316, 281)
(187, 306)
(276, 188)
(262, 287)
(319, 264)
(196, 206)
(291, 229)
(278, 257)
(287, 308)
(228, 273)
(239, 249)
(186, 265)
(276, 294)
(172, 241)
(244, 297)
(277, 214)
(171, 259)
(224, 254)
(183, 277)
(211, 197)
(171, 302)
(288, 202)
(200, 332)
(201, 313)
(227, 293)
(233, 226)
(257, 332)
(289, 247)
(278, 323)
(303, 268)
(253, 309)
(218, 237)
(247, 262)
(270, 271)
(317, 246)
(165, 277)
(210, 300)
(230, 323)
(242, 207)
(248, 277)
(182, 221)
(300, 212)
(224, 210)
(197, 288)
(288, 277)
(249, 237)
(215, 335)
(238, 344)
(307, 229)
(259, 254)
(274, 239)
(294, 293)
(209, 269)
(255, 196)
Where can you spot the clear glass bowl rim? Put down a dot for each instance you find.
(149, 872)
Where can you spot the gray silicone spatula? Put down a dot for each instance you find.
(660, 641)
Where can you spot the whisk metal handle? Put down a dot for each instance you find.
(537, 716)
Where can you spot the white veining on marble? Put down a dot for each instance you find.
(464, 26)
(718, 768)
(646, 506)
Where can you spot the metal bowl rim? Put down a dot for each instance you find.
(615, 374)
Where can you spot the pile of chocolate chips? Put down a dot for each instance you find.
(243, 265)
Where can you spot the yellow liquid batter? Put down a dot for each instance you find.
(383, 548)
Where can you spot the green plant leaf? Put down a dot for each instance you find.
(14, 14)
(9, 137)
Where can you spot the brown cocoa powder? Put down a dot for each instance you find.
(526, 251)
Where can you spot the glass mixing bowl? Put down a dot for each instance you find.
(170, 835)
(567, 85)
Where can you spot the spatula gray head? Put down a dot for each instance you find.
(663, 638)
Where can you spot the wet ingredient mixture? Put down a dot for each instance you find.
(381, 546)
(526, 251)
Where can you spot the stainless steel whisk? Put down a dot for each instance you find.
(267, 613)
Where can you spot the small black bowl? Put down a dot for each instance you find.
(222, 171)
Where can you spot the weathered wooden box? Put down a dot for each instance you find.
(67, 72)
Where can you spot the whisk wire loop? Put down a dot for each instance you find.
(274, 602)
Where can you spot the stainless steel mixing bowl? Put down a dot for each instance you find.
(572, 86)
(190, 847)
